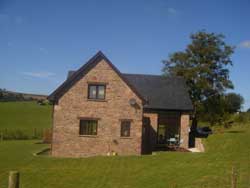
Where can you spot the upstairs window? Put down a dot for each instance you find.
(96, 91)
(125, 128)
(88, 127)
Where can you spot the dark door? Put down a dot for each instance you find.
(146, 138)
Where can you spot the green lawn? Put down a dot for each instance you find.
(24, 117)
(165, 169)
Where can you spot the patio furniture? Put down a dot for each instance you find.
(172, 141)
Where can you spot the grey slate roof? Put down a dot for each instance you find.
(161, 92)
(156, 92)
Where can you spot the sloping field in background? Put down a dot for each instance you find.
(26, 118)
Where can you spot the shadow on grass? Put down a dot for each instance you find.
(43, 152)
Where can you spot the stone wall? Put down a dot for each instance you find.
(74, 104)
(199, 145)
(184, 130)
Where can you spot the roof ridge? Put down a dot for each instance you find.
(140, 74)
(153, 75)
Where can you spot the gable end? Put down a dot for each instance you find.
(81, 72)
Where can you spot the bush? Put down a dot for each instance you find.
(43, 102)
(20, 134)
(242, 117)
(15, 134)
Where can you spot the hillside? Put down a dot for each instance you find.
(6, 95)
(163, 169)
(24, 117)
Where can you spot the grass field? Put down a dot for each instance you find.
(163, 170)
(24, 118)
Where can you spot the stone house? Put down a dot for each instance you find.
(98, 111)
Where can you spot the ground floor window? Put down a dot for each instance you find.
(125, 128)
(88, 127)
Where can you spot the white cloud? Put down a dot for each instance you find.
(39, 74)
(171, 10)
(160, 9)
(245, 44)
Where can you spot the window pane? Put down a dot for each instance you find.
(125, 128)
(96, 92)
(83, 127)
(94, 127)
(92, 92)
(101, 92)
(88, 127)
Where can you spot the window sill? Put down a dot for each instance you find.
(97, 100)
(89, 136)
(124, 137)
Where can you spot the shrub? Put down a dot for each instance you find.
(20, 134)
(242, 117)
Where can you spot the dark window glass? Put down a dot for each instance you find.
(101, 92)
(125, 128)
(96, 91)
(88, 127)
(92, 92)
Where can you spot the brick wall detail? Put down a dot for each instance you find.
(74, 104)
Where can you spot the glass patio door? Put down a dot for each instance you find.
(162, 134)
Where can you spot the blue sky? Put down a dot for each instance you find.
(41, 40)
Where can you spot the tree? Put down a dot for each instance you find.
(248, 110)
(204, 65)
(234, 102)
(1, 94)
(214, 110)
(217, 109)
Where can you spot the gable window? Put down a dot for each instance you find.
(88, 127)
(96, 91)
(125, 128)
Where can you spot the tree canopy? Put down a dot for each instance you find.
(234, 102)
(217, 109)
(204, 64)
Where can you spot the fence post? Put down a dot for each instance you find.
(13, 179)
(234, 177)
